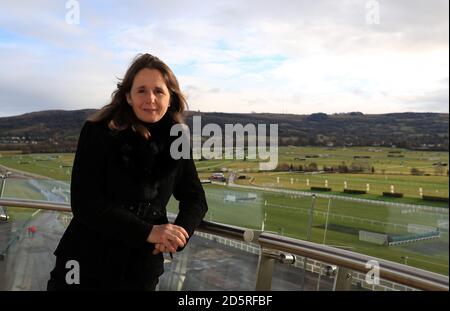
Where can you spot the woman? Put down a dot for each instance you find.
(123, 176)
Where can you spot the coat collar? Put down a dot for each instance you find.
(147, 159)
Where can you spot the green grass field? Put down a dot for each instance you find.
(380, 158)
(288, 215)
(388, 172)
(406, 184)
(56, 166)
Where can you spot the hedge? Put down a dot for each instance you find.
(320, 189)
(435, 199)
(393, 195)
(354, 191)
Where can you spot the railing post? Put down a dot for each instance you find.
(265, 271)
(343, 280)
(3, 209)
(3, 185)
(266, 264)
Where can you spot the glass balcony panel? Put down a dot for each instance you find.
(256, 209)
(321, 276)
(390, 231)
(414, 236)
(27, 242)
(36, 189)
(211, 262)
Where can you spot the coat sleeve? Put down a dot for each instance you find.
(88, 193)
(192, 202)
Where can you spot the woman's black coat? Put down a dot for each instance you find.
(120, 187)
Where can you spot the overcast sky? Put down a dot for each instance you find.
(232, 56)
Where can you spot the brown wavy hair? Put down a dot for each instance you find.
(120, 115)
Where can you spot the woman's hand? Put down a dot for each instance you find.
(161, 248)
(167, 238)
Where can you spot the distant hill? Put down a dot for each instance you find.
(43, 131)
(58, 130)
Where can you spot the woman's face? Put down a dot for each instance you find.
(149, 96)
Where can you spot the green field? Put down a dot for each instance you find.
(384, 160)
(406, 184)
(55, 166)
(388, 172)
(288, 214)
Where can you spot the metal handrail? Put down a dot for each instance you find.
(51, 206)
(395, 272)
(392, 271)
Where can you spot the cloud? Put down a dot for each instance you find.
(436, 101)
(233, 56)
